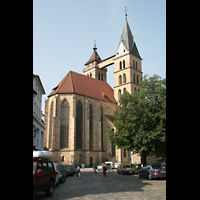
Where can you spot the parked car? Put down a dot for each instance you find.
(153, 171)
(62, 174)
(125, 169)
(100, 167)
(44, 174)
(116, 165)
(108, 163)
(57, 182)
(135, 165)
(69, 169)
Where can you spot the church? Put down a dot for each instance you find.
(81, 106)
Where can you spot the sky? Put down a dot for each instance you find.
(64, 32)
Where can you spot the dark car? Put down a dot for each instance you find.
(63, 173)
(153, 171)
(69, 169)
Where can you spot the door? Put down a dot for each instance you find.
(91, 161)
(39, 178)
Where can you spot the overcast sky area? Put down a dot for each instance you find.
(64, 32)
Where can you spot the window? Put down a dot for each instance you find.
(120, 65)
(133, 64)
(90, 74)
(102, 77)
(135, 90)
(64, 125)
(124, 78)
(119, 94)
(50, 165)
(124, 153)
(137, 79)
(136, 65)
(133, 78)
(120, 80)
(99, 76)
(51, 127)
(90, 127)
(79, 119)
(123, 64)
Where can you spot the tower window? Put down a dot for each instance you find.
(102, 77)
(123, 64)
(133, 64)
(120, 80)
(136, 65)
(133, 78)
(120, 65)
(137, 79)
(99, 76)
(124, 78)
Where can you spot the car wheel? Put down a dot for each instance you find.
(138, 175)
(150, 177)
(50, 190)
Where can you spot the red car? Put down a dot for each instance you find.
(44, 174)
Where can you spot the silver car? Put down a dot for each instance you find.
(153, 171)
(125, 169)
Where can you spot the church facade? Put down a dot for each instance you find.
(81, 106)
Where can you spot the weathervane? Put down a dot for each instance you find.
(125, 11)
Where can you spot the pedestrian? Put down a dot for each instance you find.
(111, 168)
(78, 170)
(94, 168)
(104, 169)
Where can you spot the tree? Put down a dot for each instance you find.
(141, 121)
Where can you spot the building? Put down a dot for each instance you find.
(38, 120)
(80, 107)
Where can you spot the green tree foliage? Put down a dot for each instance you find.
(141, 121)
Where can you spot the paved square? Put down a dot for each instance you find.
(113, 186)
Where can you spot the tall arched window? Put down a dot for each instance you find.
(102, 77)
(120, 65)
(90, 128)
(79, 122)
(136, 65)
(99, 76)
(119, 94)
(137, 79)
(51, 127)
(101, 128)
(64, 125)
(133, 78)
(124, 78)
(123, 64)
(120, 80)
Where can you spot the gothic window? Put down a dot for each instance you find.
(136, 65)
(79, 122)
(123, 64)
(124, 89)
(120, 65)
(137, 79)
(135, 90)
(90, 74)
(90, 128)
(64, 125)
(51, 127)
(119, 94)
(101, 128)
(124, 78)
(102, 77)
(133, 78)
(120, 80)
(99, 76)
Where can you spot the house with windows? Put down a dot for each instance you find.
(81, 106)
(38, 117)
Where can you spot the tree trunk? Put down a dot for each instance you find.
(143, 160)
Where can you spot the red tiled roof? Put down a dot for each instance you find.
(75, 83)
(94, 57)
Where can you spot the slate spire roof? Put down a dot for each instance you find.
(75, 83)
(127, 43)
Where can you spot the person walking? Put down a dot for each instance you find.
(78, 170)
(104, 169)
(95, 168)
(111, 168)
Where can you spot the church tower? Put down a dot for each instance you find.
(127, 64)
(92, 68)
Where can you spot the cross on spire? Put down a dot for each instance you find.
(125, 11)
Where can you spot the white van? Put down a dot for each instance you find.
(110, 163)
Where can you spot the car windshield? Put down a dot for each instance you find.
(69, 167)
(34, 167)
(126, 166)
(158, 167)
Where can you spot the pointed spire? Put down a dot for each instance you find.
(95, 47)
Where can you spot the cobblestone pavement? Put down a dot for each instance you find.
(113, 186)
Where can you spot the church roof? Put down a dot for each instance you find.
(75, 83)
